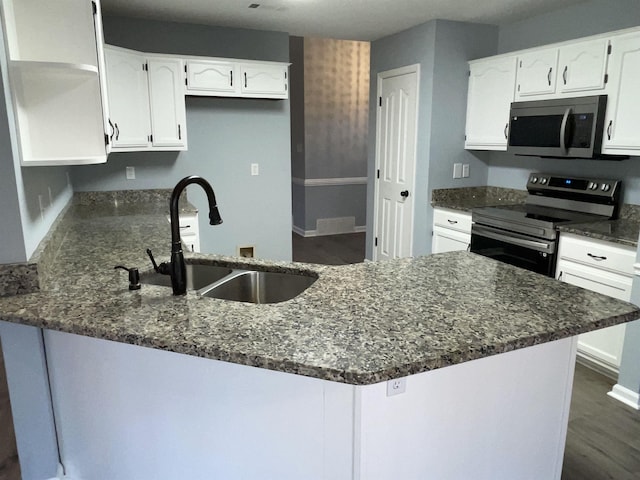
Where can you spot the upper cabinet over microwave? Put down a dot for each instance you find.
(559, 71)
(607, 64)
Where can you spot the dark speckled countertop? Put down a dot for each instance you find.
(357, 324)
(624, 230)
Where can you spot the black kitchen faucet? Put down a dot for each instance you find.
(176, 267)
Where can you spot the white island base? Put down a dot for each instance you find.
(127, 412)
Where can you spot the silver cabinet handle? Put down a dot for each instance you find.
(452, 222)
(560, 276)
(564, 74)
(549, 75)
(597, 258)
(506, 126)
(609, 129)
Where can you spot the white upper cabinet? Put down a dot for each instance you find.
(537, 73)
(55, 68)
(491, 89)
(146, 101)
(582, 66)
(210, 77)
(128, 99)
(166, 99)
(622, 135)
(226, 77)
(264, 80)
(604, 64)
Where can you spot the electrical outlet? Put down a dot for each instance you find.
(131, 173)
(465, 170)
(255, 169)
(457, 170)
(396, 386)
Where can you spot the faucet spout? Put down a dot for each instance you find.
(177, 266)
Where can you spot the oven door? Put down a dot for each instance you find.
(535, 254)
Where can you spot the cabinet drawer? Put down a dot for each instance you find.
(452, 219)
(598, 254)
(188, 225)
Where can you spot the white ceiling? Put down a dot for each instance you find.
(342, 19)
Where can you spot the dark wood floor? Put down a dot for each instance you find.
(603, 438)
(329, 249)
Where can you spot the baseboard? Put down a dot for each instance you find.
(600, 367)
(625, 395)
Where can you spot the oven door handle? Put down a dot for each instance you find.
(540, 246)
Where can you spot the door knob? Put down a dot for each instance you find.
(404, 193)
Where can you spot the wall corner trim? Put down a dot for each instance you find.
(625, 395)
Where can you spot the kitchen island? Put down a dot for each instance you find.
(448, 366)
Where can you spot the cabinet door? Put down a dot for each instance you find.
(447, 240)
(167, 105)
(582, 66)
(537, 73)
(205, 77)
(54, 59)
(128, 99)
(602, 347)
(264, 80)
(491, 87)
(623, 108)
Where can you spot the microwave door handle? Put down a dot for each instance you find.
(563, 131)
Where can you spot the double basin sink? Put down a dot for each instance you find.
(238, 284)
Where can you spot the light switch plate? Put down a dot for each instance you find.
(255, 169)
(465, 170)
(131, 173)
(457, 170)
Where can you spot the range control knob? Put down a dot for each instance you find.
(543, 181)
(593, 186)
(605, 187)
(534, 179)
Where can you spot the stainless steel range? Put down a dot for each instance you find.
(526, 234)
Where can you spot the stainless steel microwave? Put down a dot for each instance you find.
(560, 128)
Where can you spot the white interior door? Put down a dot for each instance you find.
(396, 162)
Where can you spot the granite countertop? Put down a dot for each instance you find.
(467, 198)
(357, 324)
(624, 230)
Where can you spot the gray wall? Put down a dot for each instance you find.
(225, 136)
(23, 224)
(442, 48)
(581, 20)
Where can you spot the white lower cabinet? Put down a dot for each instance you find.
(451, 230)
(190, 232)
(605, 268)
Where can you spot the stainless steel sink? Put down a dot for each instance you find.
(259, 287)
(198, 276)
(239, 285)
